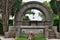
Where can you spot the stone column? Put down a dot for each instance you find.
(18, 29)
(46, 32)
(18, 32)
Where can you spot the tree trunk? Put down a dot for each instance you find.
(11, 5)
(6, 7)
(5, 15)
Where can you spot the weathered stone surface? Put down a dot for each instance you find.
(33, 5)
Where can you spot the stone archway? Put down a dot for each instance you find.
(32, 5)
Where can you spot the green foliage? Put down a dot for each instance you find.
(10, 22)
(54, 5)
(58, 5)
(40, 38)
(25, 18)
(29, 12)
(47, 4)
(41, 15)
(16, 7)
(56, 22)
(1, 27)
(21, 38)
(53, 8)
(55, 17)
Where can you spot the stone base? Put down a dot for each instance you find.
(10, 34)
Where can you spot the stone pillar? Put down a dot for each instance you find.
(18, 28)
(18, 32)
(46, 32)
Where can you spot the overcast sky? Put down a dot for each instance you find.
(36, 0)
(36, 15)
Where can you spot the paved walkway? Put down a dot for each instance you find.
(2, 38)
(53, 39)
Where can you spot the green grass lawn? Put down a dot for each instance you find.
(36, 38)
(22, 38)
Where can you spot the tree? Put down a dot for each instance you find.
(6, 7)
(25, 18)
(5, 15)
(53, 4)
(42, 16)
(16, 7)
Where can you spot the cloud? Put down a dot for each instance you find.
(36, 0)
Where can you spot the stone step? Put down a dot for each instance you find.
(51, 37)
(51, 33)
(50, 29)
